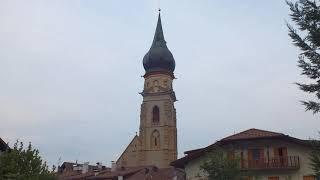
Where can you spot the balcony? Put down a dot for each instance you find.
(275, 163)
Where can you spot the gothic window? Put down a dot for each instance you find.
(155, 139)
(155, 115)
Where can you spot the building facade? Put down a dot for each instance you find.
(264, 155)
(156, 143)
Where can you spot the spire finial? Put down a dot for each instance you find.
(159, 10)
(158, 39)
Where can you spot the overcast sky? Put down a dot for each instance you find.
(70, 73)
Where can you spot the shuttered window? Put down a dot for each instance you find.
(309, 178)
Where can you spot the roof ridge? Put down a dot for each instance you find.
(250, 132)
(266, 131)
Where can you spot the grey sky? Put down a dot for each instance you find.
(70, 72)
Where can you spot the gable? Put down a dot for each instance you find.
(130, 154)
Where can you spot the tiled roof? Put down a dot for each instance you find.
(112, 174)
(252, 134)
(192, 151)
(130, 173)
(154, 174)
(68, 175)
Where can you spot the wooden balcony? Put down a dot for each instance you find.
(274, 163)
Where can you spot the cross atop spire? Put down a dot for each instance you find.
(158, 40)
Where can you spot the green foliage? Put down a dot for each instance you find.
(315, 158)
(22, 163)
(218, 166)
(306, 16)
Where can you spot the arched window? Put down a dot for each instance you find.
(155, 115)
(155, 139)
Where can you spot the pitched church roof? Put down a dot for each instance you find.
(159, 57)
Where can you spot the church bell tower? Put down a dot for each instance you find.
(158, 128)
(156, 143)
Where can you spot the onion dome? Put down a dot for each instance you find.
(158, 58)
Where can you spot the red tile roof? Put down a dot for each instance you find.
(113, 174)
(252, 134)
(132, 173)
(155, 174)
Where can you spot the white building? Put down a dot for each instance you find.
(267, 155)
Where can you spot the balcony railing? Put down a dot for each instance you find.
(282, 162)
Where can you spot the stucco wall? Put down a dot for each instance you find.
(193, 171)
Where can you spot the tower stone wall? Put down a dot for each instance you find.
(156, 143)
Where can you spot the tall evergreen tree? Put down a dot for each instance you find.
(306, 16)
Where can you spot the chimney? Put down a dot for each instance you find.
(99, 166)
(85, 167)
(113, 166)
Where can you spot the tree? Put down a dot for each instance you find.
(219, 166)
(22, 163)
(306, 16)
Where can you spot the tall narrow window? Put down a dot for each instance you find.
(155, 115)
(155, 139)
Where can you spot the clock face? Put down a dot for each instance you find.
(157, 85)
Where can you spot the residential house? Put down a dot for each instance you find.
(266, 155)
(68, 169)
